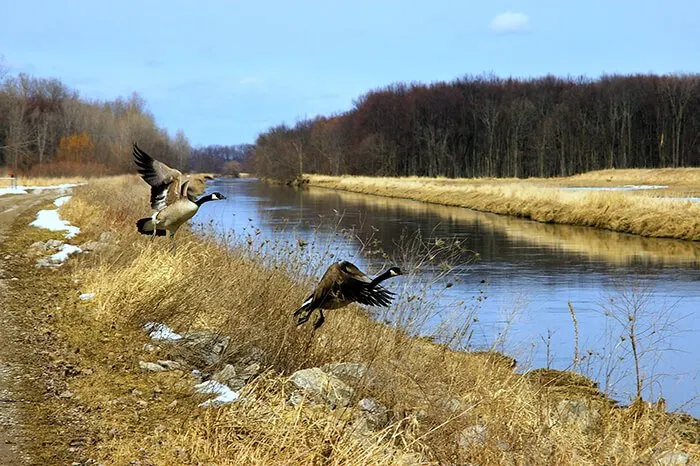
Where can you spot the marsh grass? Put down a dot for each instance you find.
(247, 293)
(542, 200)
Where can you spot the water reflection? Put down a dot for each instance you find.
(520, 286)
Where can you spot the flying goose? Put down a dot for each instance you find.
(173, 196)
(342, 284)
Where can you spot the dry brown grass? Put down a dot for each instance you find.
(433, 393)
(542, 200)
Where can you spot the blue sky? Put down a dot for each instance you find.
(223, 71)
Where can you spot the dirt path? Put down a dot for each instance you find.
(12, 342)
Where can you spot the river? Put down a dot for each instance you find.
(512, 280)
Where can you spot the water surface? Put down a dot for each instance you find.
(515, 290)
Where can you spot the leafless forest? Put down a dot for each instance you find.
(48, 129)
(487, 126)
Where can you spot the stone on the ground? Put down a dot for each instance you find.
(237, 376)
(106, 236)
(151, 366)
(349, 371)
(327, 386)
(672, 458)
(203, 348)
(578, 413)
(92, 246)
(170, 365)
(375, 413)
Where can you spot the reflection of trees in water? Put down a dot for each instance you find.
(599, 245)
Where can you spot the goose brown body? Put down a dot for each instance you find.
(343, 283)
(173, 196)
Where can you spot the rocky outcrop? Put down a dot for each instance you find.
(321, 385)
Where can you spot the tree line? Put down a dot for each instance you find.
(47, 129)
(489, 126)
(224, 159)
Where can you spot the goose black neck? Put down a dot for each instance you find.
(381, 277)
(203, 199)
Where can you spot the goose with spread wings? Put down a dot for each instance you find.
(342, 284)
(173, 196)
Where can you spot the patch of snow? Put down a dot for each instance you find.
(63, 253)
(627, 187)
(4, 191)
(86, 296)
(159, 331)
(61, 200)
(50, 220)
(224, 394)
(21, 189)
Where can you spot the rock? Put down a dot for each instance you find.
(106, 236)
(237, 376)
(351, 371)
(203, 348)
(327, 386)
(578, 413)
(92, 246)
(170, 365)
(672, 458)
(297, 397)
(151, 366)
(149, 347)
(229, 376)
(53, 244)
(375, 413)
(453, 405)
(473, 436)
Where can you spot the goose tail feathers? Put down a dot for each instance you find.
(145, 227)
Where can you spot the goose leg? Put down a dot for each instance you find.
(153, 221)
(173, 248)
(320, 319)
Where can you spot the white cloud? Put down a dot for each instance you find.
(510, 22)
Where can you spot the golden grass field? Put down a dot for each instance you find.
(432, 392)
(637, 212)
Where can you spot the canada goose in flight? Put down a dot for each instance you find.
(173, 196)
(342, 284)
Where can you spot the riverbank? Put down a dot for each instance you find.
(646, 212)
(135, 398)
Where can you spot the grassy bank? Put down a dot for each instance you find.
(445, 407)
(637, 212)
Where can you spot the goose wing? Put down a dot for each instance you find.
(357, 286)
(164, 181)
(197, 186)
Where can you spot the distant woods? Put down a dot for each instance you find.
(47, 129)
(226, 160)
(487, 126)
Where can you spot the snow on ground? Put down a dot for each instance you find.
(63, 253)
(12, 191)
(86, 296)
(159, 331)
(223, 393)
(61, 200)
(50, 220)
(20, 189)
(628, 187)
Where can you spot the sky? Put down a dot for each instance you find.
(225, 70)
